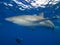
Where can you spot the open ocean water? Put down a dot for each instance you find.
(9, 31)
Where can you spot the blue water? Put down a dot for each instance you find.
(30, 36)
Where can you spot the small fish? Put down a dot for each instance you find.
(19, 40)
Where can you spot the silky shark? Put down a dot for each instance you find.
(32, 20)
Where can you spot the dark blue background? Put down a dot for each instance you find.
(39, 36)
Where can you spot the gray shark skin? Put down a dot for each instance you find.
(32, 20)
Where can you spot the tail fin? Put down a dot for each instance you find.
(53, 18)
(56, 17)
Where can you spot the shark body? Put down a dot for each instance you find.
(32, 20)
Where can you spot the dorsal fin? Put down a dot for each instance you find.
(41, 15)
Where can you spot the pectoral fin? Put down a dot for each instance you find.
(50, 24)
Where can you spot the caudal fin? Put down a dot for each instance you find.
(56, 17)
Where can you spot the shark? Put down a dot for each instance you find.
(32, 20)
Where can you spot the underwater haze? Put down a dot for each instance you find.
(13, 34)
